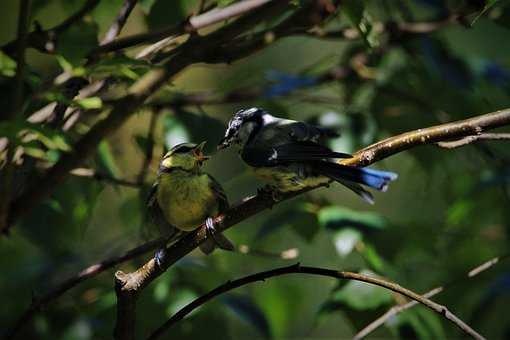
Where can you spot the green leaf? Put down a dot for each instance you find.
(334, 217)
(90, 103)
(360, 296)
(7, 65)
(52, 139)
(106, 159)
(246, 309)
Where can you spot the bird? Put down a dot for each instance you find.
(292, 155)
(184, 196)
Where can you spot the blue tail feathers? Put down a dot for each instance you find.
(376, 179)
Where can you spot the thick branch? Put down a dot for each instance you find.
(39, 302)
(431, 135)
(298, 269)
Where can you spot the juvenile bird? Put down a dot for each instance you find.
(291, 155)
(183, 196)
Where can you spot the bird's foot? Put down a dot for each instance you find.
(159, 257)
(219, 239)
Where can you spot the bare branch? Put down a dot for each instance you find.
(471, 139)
(119, 21)
(91, 271)
(298, 269)
(400, 308)
(191, 25)
(45, 40)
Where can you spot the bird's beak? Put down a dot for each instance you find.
(199, 155)
(224, 143)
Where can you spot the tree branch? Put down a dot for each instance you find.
(298, 269)
(119, 21)
(393, 311)
(45, 40)
(193, 24)
(192, 51)
(471, 139)
(133, 283)
(91, 271)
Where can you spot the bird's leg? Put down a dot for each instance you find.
(219, 239)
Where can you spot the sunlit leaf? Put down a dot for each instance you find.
(7, 65)
(335, 217)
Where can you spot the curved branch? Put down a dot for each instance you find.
(372, 326)
(471, 139)
(298, 269)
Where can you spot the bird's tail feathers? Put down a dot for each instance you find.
(351, 177)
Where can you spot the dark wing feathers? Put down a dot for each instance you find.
(290, 152)
(220, 194)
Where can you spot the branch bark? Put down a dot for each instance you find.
(298, 269)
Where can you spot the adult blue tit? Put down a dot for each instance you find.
(183, 196)
(291, 155)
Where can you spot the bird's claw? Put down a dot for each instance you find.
(219, 239)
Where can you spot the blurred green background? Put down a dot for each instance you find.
(448, 212)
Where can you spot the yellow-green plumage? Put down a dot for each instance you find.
(186, 198)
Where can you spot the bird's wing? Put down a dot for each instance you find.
(156, 216)
(219, 192)
(299, 151)
(301, 131)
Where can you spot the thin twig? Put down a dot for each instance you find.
(475, 138)
(191, 25)
(189, 53)
(372, 326)
(119, 21)
(45, 40)
(298, 269)
(91, 271)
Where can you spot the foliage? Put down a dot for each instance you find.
(447, 212)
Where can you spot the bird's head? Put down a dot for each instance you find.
(184, 156)
(242, 127)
